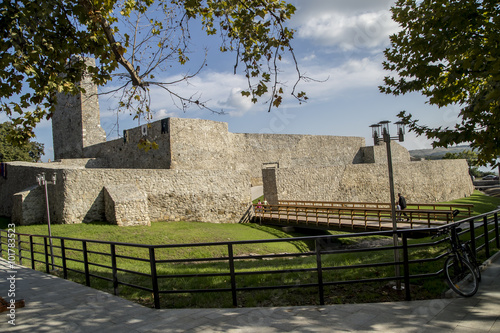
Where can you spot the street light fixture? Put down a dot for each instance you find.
(401, 130)
(376, 134)
(43, 182)
(382, 128)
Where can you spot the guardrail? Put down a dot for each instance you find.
(465, 209)
(158, 273)
(353, 217)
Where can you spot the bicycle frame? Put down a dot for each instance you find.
(463, 260)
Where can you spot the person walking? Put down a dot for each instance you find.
(402, 205)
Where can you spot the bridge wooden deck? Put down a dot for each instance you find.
(360, 216)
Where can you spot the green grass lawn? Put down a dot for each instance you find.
(167, 233)
(482, 203)
(197, 233)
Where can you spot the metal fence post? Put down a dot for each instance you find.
(63, 256)
(86, 263)
(473, 237)
(496, 230)
(320, 273)
(486, 236)
(406, 267)
(19, 250)
(233, 276)
(115, 271)
(32, 253)
(47, 269)
(154, 277)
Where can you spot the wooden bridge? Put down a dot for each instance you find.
(357, 215)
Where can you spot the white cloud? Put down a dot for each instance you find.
(224, 89)
(309, 57)
(164, 113)
(311, 7)
(413, 142)
(350, 75)
(218, 90)
(236, 103)
(347, 25)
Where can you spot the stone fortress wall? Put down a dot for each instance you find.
(124, 154)
(194, 144)
(83, 194)
(202, 172)
(420, 182)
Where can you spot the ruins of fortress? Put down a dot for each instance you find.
(202, 172)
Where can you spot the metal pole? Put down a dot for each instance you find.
(387, 140)
(48, 223)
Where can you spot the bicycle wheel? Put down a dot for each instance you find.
(473, 261)
(460, 276)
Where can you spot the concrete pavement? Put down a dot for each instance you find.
(257, 192)
(58, 305)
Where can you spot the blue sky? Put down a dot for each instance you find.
(339, 41)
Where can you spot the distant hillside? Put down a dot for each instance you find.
(436, 153)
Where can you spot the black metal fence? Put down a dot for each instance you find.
(163, 270)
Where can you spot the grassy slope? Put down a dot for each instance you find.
(482, 202)
(171, 233)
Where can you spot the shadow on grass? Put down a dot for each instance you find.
(482, 203)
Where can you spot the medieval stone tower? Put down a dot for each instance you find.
(76, 121)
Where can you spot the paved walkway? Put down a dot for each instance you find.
(257, 192)
(57, 305)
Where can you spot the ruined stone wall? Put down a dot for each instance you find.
(220, 196)
(125, 153)
(250, 151)
(378, 154)
(198, 195)
(426, 181)
(194, 144)
(29, 206)
(200, 144)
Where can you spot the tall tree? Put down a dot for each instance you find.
(449, 50)
(43, 44)
(30, 151)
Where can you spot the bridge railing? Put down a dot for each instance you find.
(353, 217)
(465, 209)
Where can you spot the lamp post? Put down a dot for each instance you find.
(43, 182)
(382, 129)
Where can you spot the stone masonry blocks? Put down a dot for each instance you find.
(29, 206)
(424, 181)
(126, 205)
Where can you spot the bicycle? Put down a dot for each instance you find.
(461, 268)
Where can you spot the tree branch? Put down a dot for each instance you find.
(115, 46)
